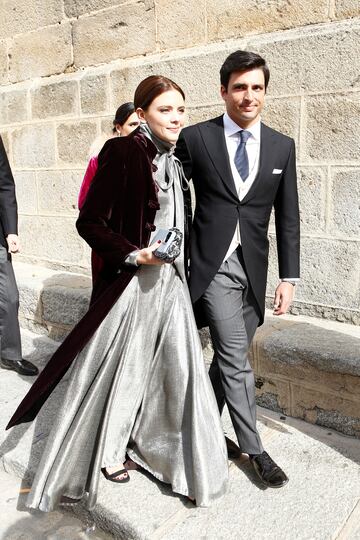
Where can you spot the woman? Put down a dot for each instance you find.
(139, 385)
(125, 121)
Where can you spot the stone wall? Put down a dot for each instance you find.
(67, 64)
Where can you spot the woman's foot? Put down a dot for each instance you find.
(116, 474)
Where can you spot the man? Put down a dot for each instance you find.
(241, 169)
(10, 342)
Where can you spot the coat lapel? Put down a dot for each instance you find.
(265, 160)
(212, 133)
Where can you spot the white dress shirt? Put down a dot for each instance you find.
(232, 139)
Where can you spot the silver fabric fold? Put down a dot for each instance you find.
(140, 387)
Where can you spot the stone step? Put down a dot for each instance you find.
(323, 467)
(305, 367)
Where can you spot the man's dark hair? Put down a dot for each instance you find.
(243, 61)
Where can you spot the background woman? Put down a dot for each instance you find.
(139, 386)
(125, 121)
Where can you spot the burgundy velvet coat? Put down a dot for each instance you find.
(117, 218)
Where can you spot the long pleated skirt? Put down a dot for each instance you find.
(140, 387)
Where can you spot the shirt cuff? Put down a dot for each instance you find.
(293, 281)
(131, 258)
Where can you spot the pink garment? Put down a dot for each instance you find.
(88, 178)
(96, 261)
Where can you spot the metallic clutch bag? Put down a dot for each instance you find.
(170, 246)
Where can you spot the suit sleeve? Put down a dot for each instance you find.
(287, 220)
(8, 205)
(183, 153)
(96, 212)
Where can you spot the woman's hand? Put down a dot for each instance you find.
(146, 256)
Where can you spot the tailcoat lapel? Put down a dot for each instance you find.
(214, 139)
(266, 159)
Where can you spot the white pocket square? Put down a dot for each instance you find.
(277, 171)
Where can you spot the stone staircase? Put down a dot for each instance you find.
(308, 369)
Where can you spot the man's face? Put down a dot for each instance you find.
(244, 97)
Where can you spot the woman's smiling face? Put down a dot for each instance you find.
(165, 115)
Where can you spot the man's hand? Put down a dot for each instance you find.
(13, 243)
(284, 295)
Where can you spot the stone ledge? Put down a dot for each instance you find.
(306, 368)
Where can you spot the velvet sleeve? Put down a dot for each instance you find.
(88, 178)
(95, 214)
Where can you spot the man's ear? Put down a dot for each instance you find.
(223, 91)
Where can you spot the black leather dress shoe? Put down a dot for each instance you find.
(23, 367)
(269, 473)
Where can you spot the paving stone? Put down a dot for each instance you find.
(178, 25)
(56, 99)
(34, 146)
(345, 198)
(235, 18)
(26, 15)
(74, 140)
(93, 94)
(40, 53)
(114, 33)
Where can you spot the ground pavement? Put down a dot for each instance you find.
(321, 501)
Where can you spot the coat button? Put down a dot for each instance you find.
(154, 167)
(150, 227)
(154, 205)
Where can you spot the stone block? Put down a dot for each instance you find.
(347, 8)
(114, 33)
(58, 191)
(13, 107)
(26, 192)
(329, 273)
(74, 141)
(200, 114)
(335, 412)
(312, 187)
(50, 238)
(93, 94)
(178, 25)
(234, 18)
(197, 75)
(41, 53)
(34, 146)
(332, 130)
(84, 7)
(273, 394)
(283, 115)
(4, 62)
(312, 61)
(56, 99)
(65, 299)
(5, 139)
(106, 125)
(345, 197)
(25, 15)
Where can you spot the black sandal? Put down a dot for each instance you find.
(113, 476)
